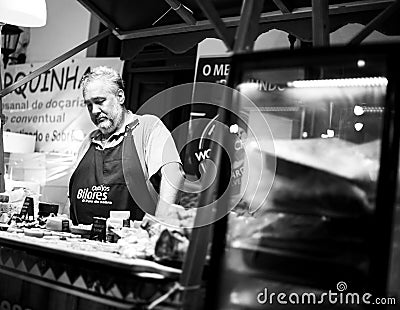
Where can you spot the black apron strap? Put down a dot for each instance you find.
(139, 187)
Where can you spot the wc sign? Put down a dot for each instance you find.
(202, 155)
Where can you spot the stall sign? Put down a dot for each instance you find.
(211, 70)
(51, 106)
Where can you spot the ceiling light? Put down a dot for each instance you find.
(25, 13)
(351, 82)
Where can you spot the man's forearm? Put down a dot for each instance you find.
(171, 181)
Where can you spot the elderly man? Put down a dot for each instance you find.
(125, 162)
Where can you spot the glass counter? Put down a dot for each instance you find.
(318, 130)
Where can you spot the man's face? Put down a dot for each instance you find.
(104, 106)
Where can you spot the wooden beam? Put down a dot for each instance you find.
(212, 14)
(320, 22)
(54, 62)
(267, 17)
(282, 6)
(195, 258)
(2, 121)
(248, 26)
(373, 24)
(182, 11)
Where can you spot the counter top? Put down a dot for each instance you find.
(89, 251)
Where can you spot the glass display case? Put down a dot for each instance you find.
(316, 219)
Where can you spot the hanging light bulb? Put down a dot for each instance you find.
(25, 13)
(358, 126)
(234, 128)
(358, 110)
(361, 63)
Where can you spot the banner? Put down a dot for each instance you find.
(211, 70)
(51, 106)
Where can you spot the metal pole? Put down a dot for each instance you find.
(2, 185)
(211, 12)
(320, 22)
(247, 31)
(54, 62)
(373, 24)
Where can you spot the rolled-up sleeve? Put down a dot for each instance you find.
(161, 148)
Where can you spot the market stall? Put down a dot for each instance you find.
(80, 273)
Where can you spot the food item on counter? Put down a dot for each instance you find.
(58, 223)
(135, 242)
(117, 220)
(81, 229)
(131, 234)
(4, 218)
(38, 233)
(143, 248)
(89, 246)
(15, 229)
(171, 245)
(7, 210)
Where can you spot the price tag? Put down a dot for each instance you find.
(27, 208)
(29, 202)
(65, 225)
(126, 223)
(98, 231)
(24, 211)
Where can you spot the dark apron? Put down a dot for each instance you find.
(98, 186)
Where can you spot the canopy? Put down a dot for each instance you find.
(140, 23)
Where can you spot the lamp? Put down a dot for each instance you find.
(24, 13)
(10, 37)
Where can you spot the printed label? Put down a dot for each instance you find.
(95, 194)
